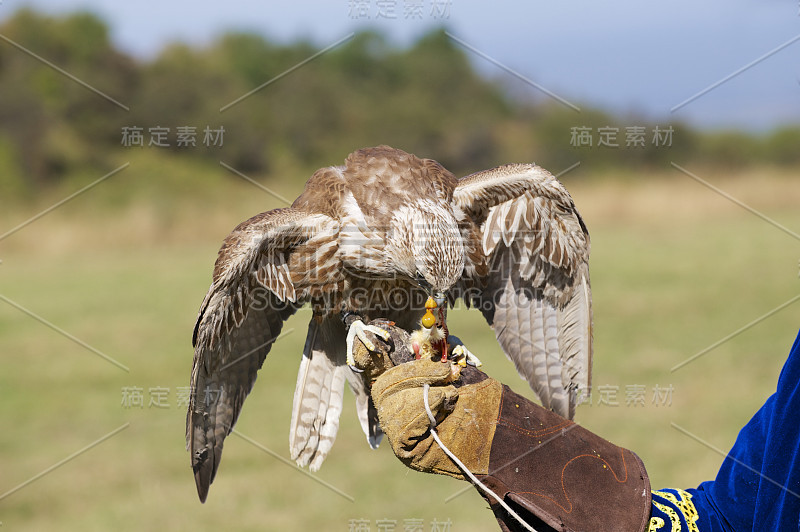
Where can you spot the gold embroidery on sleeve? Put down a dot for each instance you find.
(673, 515)
(684, 504)
(656, 524)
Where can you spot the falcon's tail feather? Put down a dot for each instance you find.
(318, 395)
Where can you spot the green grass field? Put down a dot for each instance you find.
(676, 267)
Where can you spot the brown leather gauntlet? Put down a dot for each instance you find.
(553, 472)
(566, 476)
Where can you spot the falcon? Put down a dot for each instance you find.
(376, 238)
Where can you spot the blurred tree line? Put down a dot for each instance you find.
(427, 99)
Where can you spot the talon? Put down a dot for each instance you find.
(351, 361)
(366, 341)
(465, 357)
(383, 333)
(358, 329)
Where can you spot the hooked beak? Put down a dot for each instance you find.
(439, 298)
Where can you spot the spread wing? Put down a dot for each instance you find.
(536, 294)
(259, 281)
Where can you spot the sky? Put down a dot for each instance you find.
(716, 64)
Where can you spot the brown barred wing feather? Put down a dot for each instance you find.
(536, 294)
(253, 292)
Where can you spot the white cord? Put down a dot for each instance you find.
(464, 468)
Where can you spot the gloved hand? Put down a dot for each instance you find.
(465, 416)
(551, 471)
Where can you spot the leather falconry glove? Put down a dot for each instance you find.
(554, 473)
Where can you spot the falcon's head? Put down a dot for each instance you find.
(426, 245)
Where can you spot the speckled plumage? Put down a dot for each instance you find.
(361, 237)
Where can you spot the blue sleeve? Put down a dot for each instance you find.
(758, 485)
